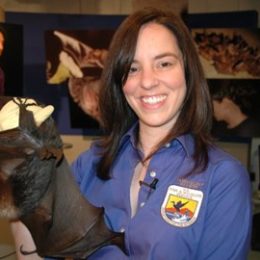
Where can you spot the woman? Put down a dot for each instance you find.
(156, 172)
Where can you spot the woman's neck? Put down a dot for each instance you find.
(149, 138)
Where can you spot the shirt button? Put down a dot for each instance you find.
(167, 145)
(152, 174)
(122, 230)
(142, 204)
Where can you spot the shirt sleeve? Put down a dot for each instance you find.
(84, 164)
(227, 231)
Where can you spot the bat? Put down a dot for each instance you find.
(38, 188)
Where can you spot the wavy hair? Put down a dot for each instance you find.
(116, 114)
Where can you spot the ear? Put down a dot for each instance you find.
(7, 167)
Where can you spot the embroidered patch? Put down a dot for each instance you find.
(181, 206)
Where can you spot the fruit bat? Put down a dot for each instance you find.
(38, 188)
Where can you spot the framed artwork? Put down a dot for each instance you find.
(229, 52)
(76, 58)
(236, 108)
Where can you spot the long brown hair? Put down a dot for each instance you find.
(116, 114)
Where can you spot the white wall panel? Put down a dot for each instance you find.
(222, 5)
(249, 4)
(198, 6)
(72, 6)
(49, 6)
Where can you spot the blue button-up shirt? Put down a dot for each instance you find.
(199, 216)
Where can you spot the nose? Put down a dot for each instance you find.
(149, 78)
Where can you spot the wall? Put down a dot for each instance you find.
(123, 6)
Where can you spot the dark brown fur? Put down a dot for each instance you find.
(37, 187)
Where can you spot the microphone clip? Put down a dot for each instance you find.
(151, 185)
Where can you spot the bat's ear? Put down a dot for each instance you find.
(40, 113)
(23, 112)
(9, 116)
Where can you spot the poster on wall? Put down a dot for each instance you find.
(75, 58)
(236, 108)
(229, 52)
(11, 59)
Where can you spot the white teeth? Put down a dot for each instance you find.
(153, 100)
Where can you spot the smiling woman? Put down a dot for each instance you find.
(154, 95)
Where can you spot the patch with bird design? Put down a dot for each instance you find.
(181, 206)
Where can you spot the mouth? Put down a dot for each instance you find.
(152, 100)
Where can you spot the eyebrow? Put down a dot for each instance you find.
(162, 55)
(165, 54)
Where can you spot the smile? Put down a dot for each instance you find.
(154, 99)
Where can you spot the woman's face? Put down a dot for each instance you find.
(155, 87)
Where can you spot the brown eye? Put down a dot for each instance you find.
(166, 64)
(133, 69)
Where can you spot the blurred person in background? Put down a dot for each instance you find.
(235, 113)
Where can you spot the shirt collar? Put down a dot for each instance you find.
(186, 141)
(130, 135)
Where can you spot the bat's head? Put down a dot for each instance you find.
(30, 147)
